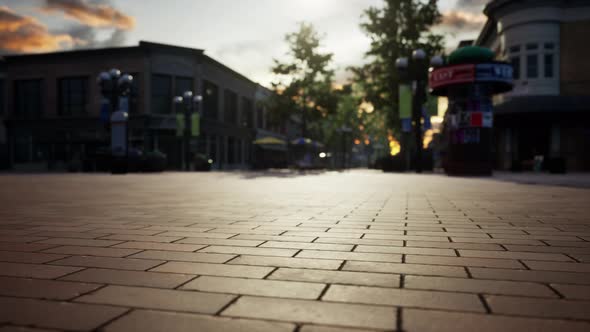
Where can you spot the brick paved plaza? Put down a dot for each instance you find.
(354, 251)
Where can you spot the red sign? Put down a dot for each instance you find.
(452, 75)
(476, 119)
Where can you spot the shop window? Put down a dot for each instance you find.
(210, 100)
(183, 84)
(247, 113)
(28, 98)
(230, 107)
(72, 96)
(548, 64)
(532, 66)
(516, 67)
(161, 94)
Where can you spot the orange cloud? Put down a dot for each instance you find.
(89, 14)
(463, 20)
(26, 34)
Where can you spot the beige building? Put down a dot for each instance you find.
(548, 112)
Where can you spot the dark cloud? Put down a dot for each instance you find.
(92, 14)
(26, 34)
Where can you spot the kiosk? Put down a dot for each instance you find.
(469, 80)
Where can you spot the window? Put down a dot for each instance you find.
(210, 100)
(183, 84)
(516, 66)
(531, 47)
(230, 107)
(72, 96)
(532, 66)
(260, 117)
(549, 46)
(28, 98)
(247, 112)
(514, 49)
(161, 94)
(548, 64)
(134, 95)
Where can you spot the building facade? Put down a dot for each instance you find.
(51, 105)
(548, 112)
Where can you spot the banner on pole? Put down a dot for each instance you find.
(179, 124)
(406, 125)
(405, 101)
(431, 105)
(195, 124)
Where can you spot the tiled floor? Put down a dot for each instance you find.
(353, 251)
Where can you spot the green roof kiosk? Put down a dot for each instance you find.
(469, 79)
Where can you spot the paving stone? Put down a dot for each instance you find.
(359, 241)
(250, 251)
(214, 269)
(308, 263)
(576, 292)
(91, 251)
(515, 255)
(28, 257)
(274, 288)
(163, 299)
(318, 328)
(478, 286)
(157, 321)
(24, 247)
(43, 289)
(142, 238)
(529, 275)
(340, 314)
(221, 242)
(80, 242)
(555, 266)
(417, 320)
(417, 269)
(548, 308)
(465, 261)
(405, 250)
(129, 278)
(183, 256)
(337, 277)
(57, 315)
(453, 245)
(303, 245)
(109, 262)
(35, 270)
(372, 257)
(404, 298)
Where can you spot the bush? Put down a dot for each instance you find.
(155, 161)
(201, 162)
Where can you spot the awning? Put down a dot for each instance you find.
(269, 141)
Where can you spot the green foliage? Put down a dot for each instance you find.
(396, 29)
(304, 81)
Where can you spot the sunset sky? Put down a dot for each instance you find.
(243, 34)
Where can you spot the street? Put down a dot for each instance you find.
(288, 251)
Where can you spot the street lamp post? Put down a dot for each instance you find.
(416, 71)
(115, 89)
(191, 105)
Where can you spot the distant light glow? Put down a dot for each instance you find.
(323, 155)
(210, 161)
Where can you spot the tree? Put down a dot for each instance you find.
(304, 81)
(396, 29)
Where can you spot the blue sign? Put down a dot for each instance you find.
(493, 72)
(406, 125)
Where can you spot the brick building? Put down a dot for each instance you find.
(548, 112)
(51, 105)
